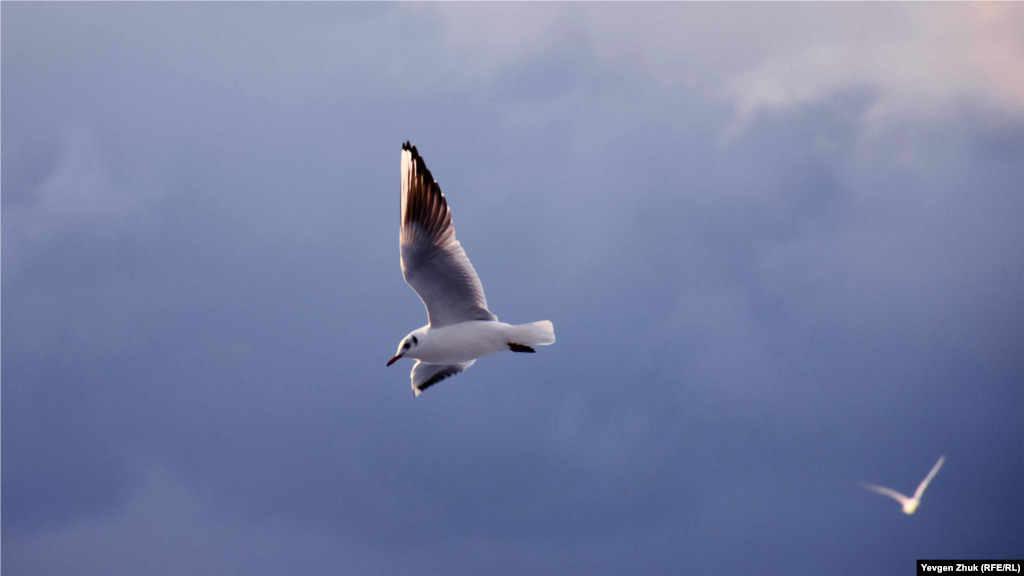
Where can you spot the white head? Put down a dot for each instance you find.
(407, 344)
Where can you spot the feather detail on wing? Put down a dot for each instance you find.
(426, 375)
(433, 261)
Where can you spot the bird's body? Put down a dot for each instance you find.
(461, 328)
(466, 341)
(909, 503)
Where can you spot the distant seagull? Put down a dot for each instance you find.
(461, 328)
(909, 504)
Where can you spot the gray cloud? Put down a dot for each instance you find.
(202, 287)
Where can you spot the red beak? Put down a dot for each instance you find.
(393, 360)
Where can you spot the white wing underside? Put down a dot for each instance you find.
(924, 484)
(426, 375)
(433, 261)
(887, 492)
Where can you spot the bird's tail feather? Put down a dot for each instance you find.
(533, 334)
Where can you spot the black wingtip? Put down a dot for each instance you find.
(436, 378)
(410, 147)
(421, 165)
(520, 348)
(426, 202)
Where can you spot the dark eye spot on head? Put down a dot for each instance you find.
(414, 340)
(406, 346)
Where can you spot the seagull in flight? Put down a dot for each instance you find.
(460, 328)
(909, 504)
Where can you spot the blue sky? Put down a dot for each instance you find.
(780, 244)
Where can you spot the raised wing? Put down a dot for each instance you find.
(935, 470)
(426, 375)
(433, 261)
(886, 492)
